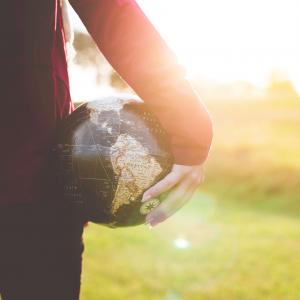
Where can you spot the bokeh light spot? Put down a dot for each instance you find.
(181, 243)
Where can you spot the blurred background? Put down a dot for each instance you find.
(239, 236)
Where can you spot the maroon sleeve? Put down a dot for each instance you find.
(138, 53)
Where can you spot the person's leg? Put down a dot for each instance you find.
(40, 253)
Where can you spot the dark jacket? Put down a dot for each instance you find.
(35, 88)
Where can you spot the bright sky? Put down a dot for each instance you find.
(231, 40)
(228, 40)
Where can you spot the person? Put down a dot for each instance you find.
(41, 239)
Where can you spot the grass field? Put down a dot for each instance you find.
(237, 239)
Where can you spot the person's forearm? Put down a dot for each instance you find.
(138, 53)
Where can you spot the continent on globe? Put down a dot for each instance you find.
(109, 151)
(135, 167)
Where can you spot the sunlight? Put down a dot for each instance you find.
(232, 40)
(181, 243)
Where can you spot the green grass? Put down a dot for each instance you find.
(242, 225)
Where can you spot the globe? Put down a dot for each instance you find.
(109, 151)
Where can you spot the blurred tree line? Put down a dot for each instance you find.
(279, 87)
(87, 54)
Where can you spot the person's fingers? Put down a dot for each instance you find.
(163, 185)
(196, 177)
(176, 199)
(178, 173)
(167, 210)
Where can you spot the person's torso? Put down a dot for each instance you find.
(34, 93)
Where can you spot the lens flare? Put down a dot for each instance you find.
(181, 243)
(193, 250)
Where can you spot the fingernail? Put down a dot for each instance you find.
(150, 226)
(146, 198)
(151, 222)
(156, 218)
(156, 215)
(149, 219)
(154, 223)
(148, 222)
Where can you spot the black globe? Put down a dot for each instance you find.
(110, 151)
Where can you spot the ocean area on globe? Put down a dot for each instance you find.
(108, 152)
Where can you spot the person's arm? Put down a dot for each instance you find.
(138, 53)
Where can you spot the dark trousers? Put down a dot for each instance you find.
(40, 252)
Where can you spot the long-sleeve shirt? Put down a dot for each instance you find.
(35, 87)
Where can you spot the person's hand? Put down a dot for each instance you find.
(181, 183)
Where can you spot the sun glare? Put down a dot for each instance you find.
(231, 40)
(181, 243)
